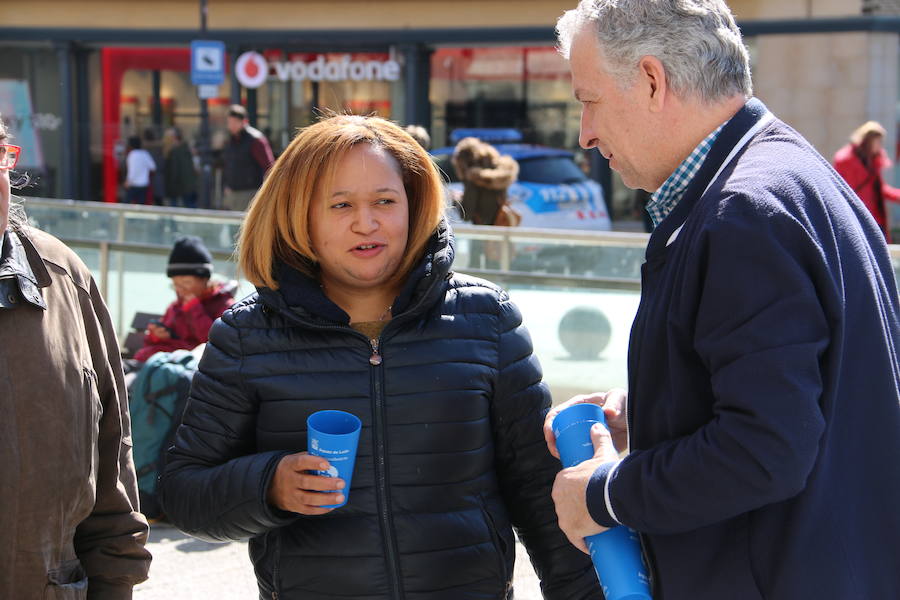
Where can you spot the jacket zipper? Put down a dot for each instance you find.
(375, 359)
(648, 555)
(498, 546)
(379, 434)
(637, 334)
(275, 566)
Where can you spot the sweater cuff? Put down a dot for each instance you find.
(597, 495)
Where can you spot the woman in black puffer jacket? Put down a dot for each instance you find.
(358, 310)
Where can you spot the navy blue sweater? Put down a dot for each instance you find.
(764, 387)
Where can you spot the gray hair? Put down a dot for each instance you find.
(17, 218)
(697, 41)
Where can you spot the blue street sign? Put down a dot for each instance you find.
(207, 62)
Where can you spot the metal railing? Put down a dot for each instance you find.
(117, 237)
(578, 291)
(507, 238)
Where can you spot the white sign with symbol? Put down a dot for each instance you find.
(207, 58)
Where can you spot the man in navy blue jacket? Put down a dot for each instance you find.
(763, 413)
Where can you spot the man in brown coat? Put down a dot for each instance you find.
(69, 521)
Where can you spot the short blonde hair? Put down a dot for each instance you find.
(277, 223)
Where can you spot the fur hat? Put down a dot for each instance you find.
(479, 163)
(867, 130)
(190, 257)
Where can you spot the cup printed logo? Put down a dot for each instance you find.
(331, 472)
(314, 443)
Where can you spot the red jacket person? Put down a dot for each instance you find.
(200, 301)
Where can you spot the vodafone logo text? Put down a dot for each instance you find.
(252, 70)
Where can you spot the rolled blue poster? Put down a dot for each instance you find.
(616, 553)
(334, 435)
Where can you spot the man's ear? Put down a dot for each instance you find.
(652, 76)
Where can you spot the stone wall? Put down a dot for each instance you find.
(881, 7)
(826, 85)
(796, 9)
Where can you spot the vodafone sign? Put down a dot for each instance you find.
(252, 69)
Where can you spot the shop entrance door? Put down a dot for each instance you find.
(146, 91)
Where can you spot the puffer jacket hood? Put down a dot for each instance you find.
(451, 454)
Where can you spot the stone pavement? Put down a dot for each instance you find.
(185, 568)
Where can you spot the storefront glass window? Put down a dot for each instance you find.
(523, 87)
(30, 104)
(178, 106)
(149, 90)
(302, 86)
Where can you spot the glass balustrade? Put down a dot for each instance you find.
(578, 291)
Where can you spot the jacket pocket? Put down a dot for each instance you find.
(276, 560)
(67, 582)
(264, 554)
(501, 547)
(94, 409)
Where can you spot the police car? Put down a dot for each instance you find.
(551, 191)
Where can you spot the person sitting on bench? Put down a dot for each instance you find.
(200, 301)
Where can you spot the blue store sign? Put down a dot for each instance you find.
(207, 62)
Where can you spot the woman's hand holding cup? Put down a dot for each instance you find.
(295, 489)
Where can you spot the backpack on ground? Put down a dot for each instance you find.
(157, 398)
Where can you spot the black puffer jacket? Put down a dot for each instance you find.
(451, 451)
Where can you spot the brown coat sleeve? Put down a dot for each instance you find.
(110, 542)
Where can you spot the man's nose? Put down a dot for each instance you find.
(587, 137)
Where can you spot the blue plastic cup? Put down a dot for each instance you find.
(616, 553)
(572, 428)
(334, 435)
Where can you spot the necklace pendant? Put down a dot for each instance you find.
(386, 313)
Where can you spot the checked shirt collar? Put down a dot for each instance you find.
(670, 192)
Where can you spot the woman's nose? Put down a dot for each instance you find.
(364, 221)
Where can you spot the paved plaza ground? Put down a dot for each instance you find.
(185, 568)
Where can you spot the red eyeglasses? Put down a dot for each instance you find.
(9, 156)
